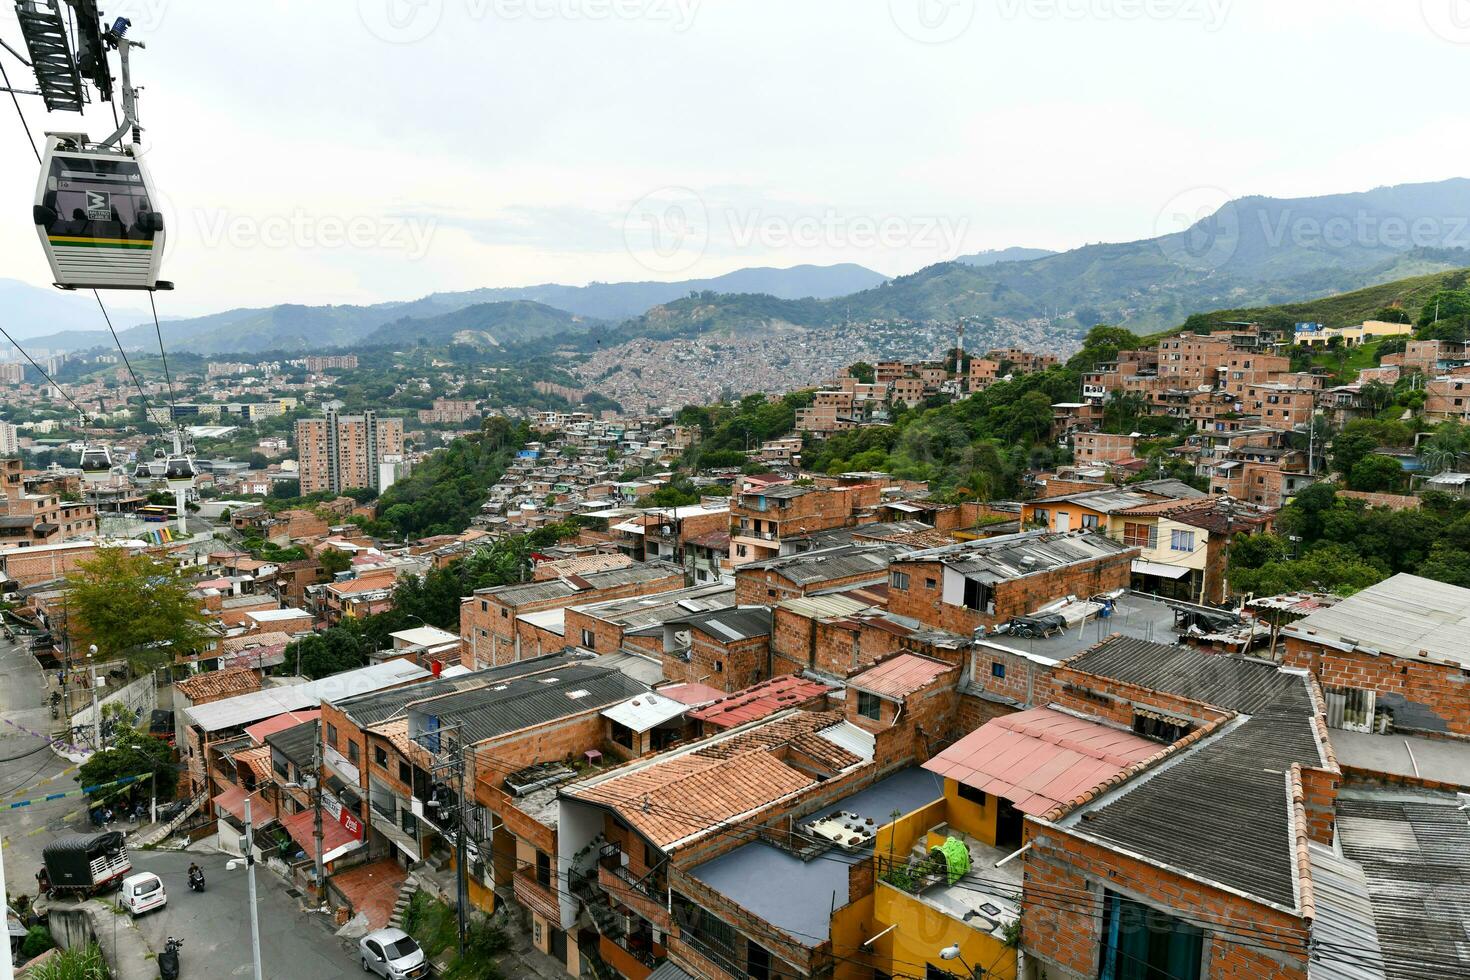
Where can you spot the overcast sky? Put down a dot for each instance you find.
(351, 151)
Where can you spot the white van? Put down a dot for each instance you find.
(143, 892)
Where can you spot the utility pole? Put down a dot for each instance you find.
(250, 876)
(318, 835)
(7, 965)
(461, 848)
(96, 712)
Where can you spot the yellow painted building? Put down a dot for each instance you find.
(902, 931)
(1367, 332)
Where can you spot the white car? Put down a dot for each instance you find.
(143, 892)
(393, 954)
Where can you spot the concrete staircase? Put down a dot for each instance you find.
(406, 893)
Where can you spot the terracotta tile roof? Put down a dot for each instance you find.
(691, 693)
(234, 644)
(799, 731)
(218, 684)
(758, 701)
(396, 732)
(259, 761)
(366, 583)
(690, 794)
(900, 676)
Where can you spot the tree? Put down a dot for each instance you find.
(1378, 474)
(1103, 343)
(1350, 448)
(1376, 395)
(862, 372)
(132, 753)
(133, 606)
(324, 654)
(1331, 568)
(334, 562)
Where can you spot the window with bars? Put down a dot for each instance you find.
(1141, 535)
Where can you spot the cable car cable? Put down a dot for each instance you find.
(48, 377)
(147, 406)
(159, 330)
(19, 112)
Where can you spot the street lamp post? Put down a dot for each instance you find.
(249, 860)
(953, 953)
(96, 712)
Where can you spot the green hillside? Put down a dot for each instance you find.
(1343, 309)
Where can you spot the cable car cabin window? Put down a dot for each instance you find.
(101, 199)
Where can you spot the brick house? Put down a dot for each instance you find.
(727, 648)
(637, 623)
(1377, 653)
(963, 587)
(761, 517)
(775, 579)
(487, 619)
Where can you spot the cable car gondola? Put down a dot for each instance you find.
(96, 464)
(96, 217)
(179, 472)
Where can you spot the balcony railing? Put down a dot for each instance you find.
(535, 896)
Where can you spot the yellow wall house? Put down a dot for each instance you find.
(1367, 332)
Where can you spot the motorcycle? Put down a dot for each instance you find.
(196, 880)
(168, 960)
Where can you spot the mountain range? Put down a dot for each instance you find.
(1248, 252)
(294, 327)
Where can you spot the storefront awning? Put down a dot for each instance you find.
(1159, 569)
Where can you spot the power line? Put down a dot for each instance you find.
(24, 125)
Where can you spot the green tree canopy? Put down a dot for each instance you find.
(1378, 474)
(133, 606)
(131, 753)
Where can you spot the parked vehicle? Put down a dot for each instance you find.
(168, 960)
(143, 892)
(393, 954)
(85, 863)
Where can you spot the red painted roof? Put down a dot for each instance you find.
(692, 693)
(302, 828)
(232, 800)
(758, 701)
(1042, 758)
(899, 676)
(280, 723)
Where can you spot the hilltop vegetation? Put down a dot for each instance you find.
(1406, 296)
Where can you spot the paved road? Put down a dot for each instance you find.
(29, 764)
(215, 924)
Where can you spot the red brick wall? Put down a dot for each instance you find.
(766, 588)
(1012, 598)
(727, 666)
(1444, 690)
(1062, 920)
(488, 635)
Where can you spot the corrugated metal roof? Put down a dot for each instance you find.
(759, 700)
(1415, 853)
(829, 563)
(1405, 616)
(1236, 683)
(642, 612)
(516, 595)
(369, 709)
(525, 701)
(1011, 556)
(1041, 758)
(645, 711)
(1344, 934)
(848, 736)
(899, 676)
(258, 705)
(730, 625)
(1220, 810)
(832, 606)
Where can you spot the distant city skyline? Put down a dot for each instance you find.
(377, 150)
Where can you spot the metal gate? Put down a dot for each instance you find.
(1350, 708)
